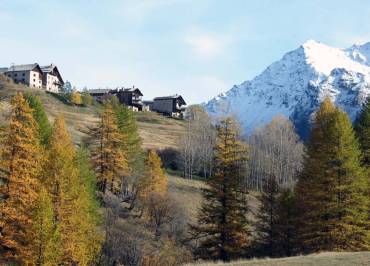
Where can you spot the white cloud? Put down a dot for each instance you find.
(208, 46)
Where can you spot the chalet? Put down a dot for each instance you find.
(169, 105)
(51, 79)
(30, 75)
(132, 98)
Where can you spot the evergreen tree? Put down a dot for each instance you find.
(222, 224)
(363, 132)
(154, 179)
(20, 165)
(286, 230)
(39, 115)
(109, 158)
(332, 190)
(46, 242)
(267, 217)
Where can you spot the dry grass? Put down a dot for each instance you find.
(156, 131)
(322, 259)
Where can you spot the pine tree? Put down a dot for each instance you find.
(20, 165)
(363, 132)
(222, 224)
(154, 180)
(332, 189)
(39, 115)
(46, 242)
(109, 158)
(267, 217)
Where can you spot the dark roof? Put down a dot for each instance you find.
(136, 90)
(52, 68)
(27, 67)
(171, 97)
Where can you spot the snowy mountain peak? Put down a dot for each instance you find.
(295, 85)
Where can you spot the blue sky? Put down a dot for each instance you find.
(197, 48)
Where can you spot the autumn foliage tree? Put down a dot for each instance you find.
(332, 189)
(20, 169)
(154, 180)
(222, 228)
(75, 98)
(109, 158)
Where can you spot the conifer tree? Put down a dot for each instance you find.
(363, 132)
(39, 115)
(154, 179)
(20, 165)
(87, 217)
(109, 158)
(131, 140)
(267, 217)
(46, 243)
(222, 223)
(286, 229)
(332, 189)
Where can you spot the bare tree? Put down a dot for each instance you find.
(196, 146)
(275, 150)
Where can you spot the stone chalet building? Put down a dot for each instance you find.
(32, 75)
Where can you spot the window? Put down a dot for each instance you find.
(34, 74)
(23, 74)
(15, 74)
(34, 80)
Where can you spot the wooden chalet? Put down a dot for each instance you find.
(169, 105)
(132, 98)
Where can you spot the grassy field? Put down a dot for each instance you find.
(156, 130)
(322, 259)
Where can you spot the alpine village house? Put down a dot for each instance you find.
(173, 106)
(36, 76)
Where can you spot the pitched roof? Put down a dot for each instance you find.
(133, 90)
(171, 97)
(52, 68)
(27, 67)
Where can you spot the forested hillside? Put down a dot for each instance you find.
(79, 186)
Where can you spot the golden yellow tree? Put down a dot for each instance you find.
(109, 158)
(154, 179)
(66, 175)
(76, 98)
(20, 165)
(46, 242)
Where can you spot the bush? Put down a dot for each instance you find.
(170, 158)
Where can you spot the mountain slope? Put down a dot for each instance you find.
(295, 85)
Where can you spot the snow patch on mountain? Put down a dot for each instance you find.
(295, 86)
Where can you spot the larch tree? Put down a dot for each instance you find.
(267, 217)
(20, 169)
(362, 128)
(46, 241)
(39, 114)
(154, 180)
(75, 98)
(223, 228)
(110, 160)
(332, 189)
